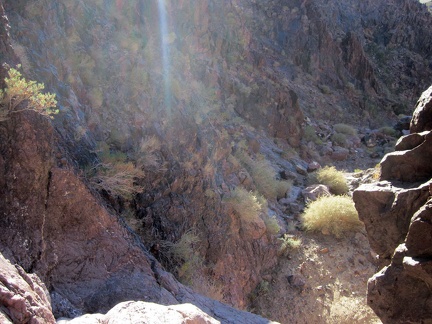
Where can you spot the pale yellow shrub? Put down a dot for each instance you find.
(264, 176)
(331, 215)
(288, 243)
(246, 204)
(333, 179)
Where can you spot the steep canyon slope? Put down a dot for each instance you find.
(197, 94)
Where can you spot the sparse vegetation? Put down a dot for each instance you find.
(246, 204)
(377, 172)
(340, 139)
(310, 135)
(334, 215)
(264, 176)
(147, 153)
(184, 256)
(272, 225)
(389, 131)
(115, 174)
(288, 243)
(345, 129)
(333, 179)
(19, 91)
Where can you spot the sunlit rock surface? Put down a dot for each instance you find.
(398, 221)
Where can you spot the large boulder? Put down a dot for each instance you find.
(397, 215)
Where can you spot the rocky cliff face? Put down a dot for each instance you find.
(396, 212)
(208, 85)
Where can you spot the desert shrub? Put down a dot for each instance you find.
(183, 256)
(309, 134)
(344, 129)
(115, 174)
(389, 131)
(246, 204)
(272, 225)
(376, 172)
(264, 176)
(340, 139)
(333, 179)
(334, 215)
(288, 243)
(18, 90)
(118, 179)
(147, 154)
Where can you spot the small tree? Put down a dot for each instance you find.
(18, 90)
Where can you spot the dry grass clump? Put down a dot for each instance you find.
(333, 179)
(390, 131)
(272, 225)
(118, 179)
(246, 204)
(115, 174)
(345, 129)
(252, 207)
(340, 139)
(288, 243)
(183, 256)
(264, 176)
(332, 215)
(147, 153)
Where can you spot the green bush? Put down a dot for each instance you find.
(309, 134)
(18, 90)
(183, 256)
(331, 215)
(340, 139)
(333, 179)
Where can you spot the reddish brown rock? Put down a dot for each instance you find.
(397, 215)
(388, 206)
(410, 165)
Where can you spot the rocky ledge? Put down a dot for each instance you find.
(397, 212)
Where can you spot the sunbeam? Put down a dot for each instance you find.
(165, 53)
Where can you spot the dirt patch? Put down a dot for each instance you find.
(323, 281)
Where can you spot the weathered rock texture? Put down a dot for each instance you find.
(137, 312)
(397, 215)
(23, 297)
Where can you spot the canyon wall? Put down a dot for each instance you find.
(207, 82)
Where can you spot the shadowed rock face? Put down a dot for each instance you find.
(397, 215)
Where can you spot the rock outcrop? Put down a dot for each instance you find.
(23, 297)
(137, 312)
(397, 215)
